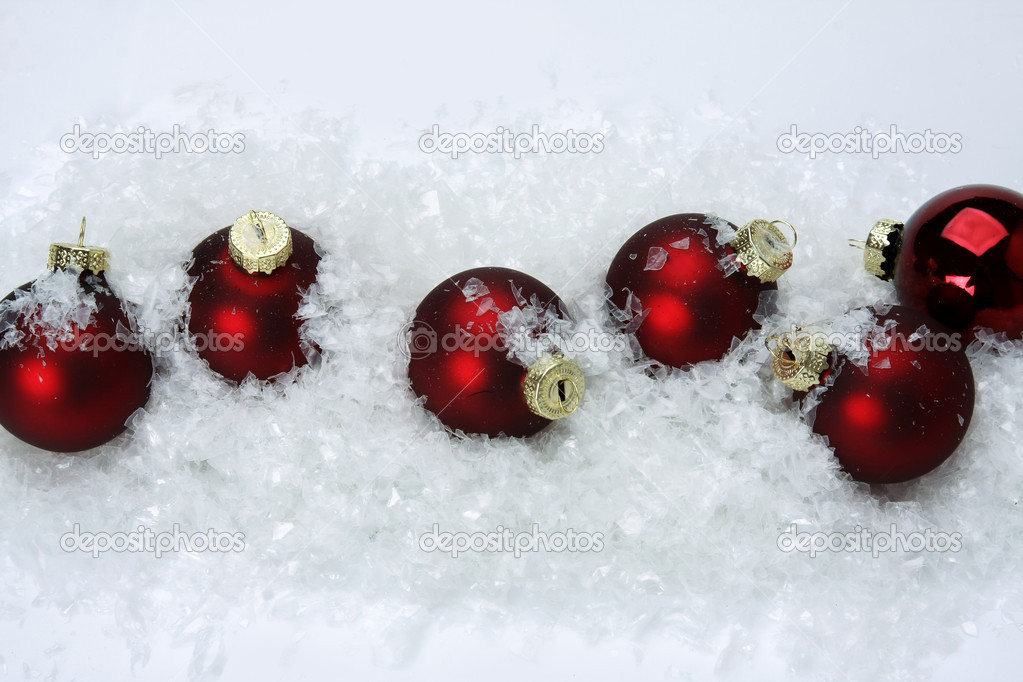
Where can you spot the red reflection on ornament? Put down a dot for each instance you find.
(961, 281)
(864, 412)
(974, 230)
(468, 371)
(233, 321)
(39, 380)
(668, 316)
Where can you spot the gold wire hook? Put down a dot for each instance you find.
(776, 349)
(81, 233)
(855, 243)
(258, 224)
(795, 235)
(748, 227)
(575, 391)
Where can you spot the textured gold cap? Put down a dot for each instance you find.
(800, 359)
(764, 250)
(882, 246)
(65, 256)
(260, 242)
(554, 387)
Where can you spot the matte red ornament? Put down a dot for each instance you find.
(69, 383)
(685, 294)
(459, 356)
(959, 258)
(902, 414)
(250, 278)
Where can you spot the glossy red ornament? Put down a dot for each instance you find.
(685, 294)
(247, 290)
(902, 414)
(70, 387)
(459, 359)
(960, 259)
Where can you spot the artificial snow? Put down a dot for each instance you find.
(44, 314)
(334, 474)
(656, 258)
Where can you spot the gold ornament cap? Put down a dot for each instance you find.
(763, 248)
(64, 256)
(800, 358)
(882, 248)
(260, 241)
(554, 387)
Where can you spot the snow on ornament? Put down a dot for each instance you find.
(894, 398)
(688, 284)
(73, 369)
(483, 354)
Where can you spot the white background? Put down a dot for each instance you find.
(392, 69)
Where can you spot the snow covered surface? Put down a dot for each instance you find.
(335, 475)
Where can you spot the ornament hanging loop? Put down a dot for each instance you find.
(801, 358)
(260, 241)
(546, 387)
(258, 224)
(781, 350)
(567, 400)
(795, 235)
(77, 257)
(764, 249)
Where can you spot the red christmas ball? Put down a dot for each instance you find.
(959, 258)
(71, 371)
(896, 404)
(685, 293)
(460, 354)
(249, 282)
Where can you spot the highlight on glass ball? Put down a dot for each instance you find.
(894, 399)
(480, 356)
(688, 284)
(249, 281)
(959, 258)
(71, 373)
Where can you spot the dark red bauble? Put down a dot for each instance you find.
(674, 269)
(80, 394)
(244, 322)
(961, 260)
(908, 410)
(457, 357)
